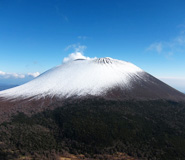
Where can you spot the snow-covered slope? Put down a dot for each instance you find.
(80, 77)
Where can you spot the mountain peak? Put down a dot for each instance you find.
(106, 60)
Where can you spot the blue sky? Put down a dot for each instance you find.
(36, 35)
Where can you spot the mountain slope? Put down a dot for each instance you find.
(142, 129)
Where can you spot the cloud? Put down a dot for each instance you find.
(4, 75)
(169, 48)
(58, 11)
(76, 54)
(76, 48)
(11, 75)
(156, 47)
(82, 37)
(180, 39)
(36, 74)
(73, 56)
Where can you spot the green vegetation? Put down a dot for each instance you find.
(143, 129)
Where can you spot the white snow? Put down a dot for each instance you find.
(79, 77)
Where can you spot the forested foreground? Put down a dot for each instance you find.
(97, 129)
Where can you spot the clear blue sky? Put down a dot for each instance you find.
(34, 34)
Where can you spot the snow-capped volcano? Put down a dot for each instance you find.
(105, 77)
(73, 81)
(79, 77)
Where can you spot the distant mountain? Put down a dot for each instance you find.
(6, 86)
(93, 109)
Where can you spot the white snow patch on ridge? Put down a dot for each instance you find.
(79, 77)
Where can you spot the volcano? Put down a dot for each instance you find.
(105, 77)
(99, 108)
